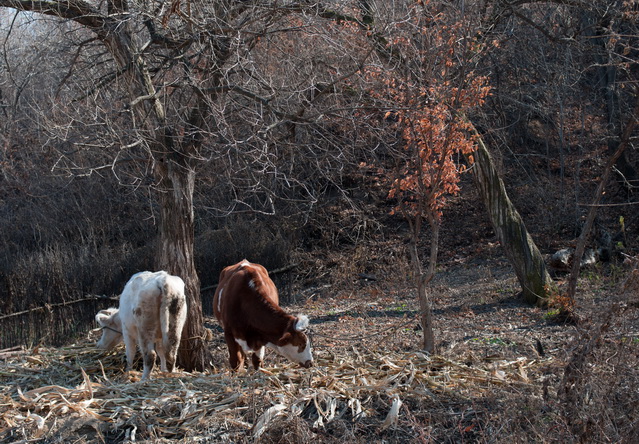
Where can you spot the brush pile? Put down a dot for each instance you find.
(80, 394)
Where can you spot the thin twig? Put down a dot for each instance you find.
(61, 304)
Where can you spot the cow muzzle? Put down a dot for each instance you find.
(307, 364)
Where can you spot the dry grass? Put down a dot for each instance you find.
(80, 393)
(488, 384)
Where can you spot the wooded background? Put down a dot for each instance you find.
(285, 119)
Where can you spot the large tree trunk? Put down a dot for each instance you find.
(176, 182)
(172, 158)
(176, 254)
(511, 231)
(176, 178)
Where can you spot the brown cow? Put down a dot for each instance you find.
(247, 306)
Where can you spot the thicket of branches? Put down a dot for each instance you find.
(275, 101)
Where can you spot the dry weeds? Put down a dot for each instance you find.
(500, 376)
(80, 392)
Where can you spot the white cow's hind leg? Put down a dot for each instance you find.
(159, 348)
(130, 344)
(147, 346)
(171, 342)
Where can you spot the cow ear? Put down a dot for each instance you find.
(285, 339)
(103, 317)
(302, 323)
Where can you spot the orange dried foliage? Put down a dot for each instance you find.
(428, 99)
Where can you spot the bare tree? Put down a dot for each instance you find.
(586, 52)
(165, 87)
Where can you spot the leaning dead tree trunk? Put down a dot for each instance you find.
(519, 248)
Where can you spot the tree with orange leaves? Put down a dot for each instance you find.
(427, 96)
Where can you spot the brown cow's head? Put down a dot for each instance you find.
(111, 324)
(295, 345)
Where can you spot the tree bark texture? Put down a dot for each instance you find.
(511, 231)
(176, 255)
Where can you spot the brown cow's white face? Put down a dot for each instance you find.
(111, 325)
(296, 346)
(302, 354)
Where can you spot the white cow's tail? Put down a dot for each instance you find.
(172, 317)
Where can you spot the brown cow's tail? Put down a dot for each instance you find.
(172, 317)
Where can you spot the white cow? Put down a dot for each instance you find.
(152, 314)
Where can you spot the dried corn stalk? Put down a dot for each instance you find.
(41, 388)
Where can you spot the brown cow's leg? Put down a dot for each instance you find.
(236, 354)
(257, 358)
